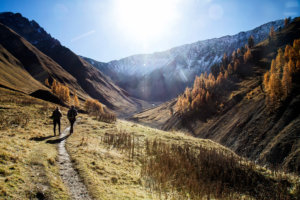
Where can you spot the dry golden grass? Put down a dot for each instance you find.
(13, 74)
(130, 161)
(107, 172)
(123, 160)
(201, 172)
(28, 166)
(97, 109)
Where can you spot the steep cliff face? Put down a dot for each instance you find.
(93, 82)
(162, 76)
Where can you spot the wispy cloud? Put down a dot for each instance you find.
(79, 37)
(291, 4)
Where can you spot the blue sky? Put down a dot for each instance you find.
(112, 29)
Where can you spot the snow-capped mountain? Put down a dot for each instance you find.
(163, 75)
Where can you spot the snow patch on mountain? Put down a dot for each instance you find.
(177, 66)
(198, 56)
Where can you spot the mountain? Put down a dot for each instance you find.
(25, 68)
(244, 122)
(89, 79)
(163, 75)
(13, 74)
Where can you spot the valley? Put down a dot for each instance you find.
(244, 122)
(115, 160)
(215, 119)
(162, 76)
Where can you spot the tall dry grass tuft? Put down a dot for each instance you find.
(107, 117)
(121, 140)
(206, 173)
(181, 171)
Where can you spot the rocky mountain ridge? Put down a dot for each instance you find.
(163, 75)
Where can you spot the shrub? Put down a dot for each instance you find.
(95, 108)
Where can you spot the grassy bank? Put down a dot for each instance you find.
(28, 166)
(129, 161)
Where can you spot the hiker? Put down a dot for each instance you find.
(56, 115)
(72, 113)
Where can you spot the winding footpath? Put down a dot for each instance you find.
(68, 174)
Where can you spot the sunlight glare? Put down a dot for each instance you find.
(145, 19)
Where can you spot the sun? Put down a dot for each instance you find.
(145, 20)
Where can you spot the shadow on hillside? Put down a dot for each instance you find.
(39, 139)
(58, 140)
(47, 96)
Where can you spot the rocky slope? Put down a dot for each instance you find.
(162, 76)
(91, 80)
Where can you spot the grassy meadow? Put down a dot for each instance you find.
(126, 160)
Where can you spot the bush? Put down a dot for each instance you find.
(95, 108)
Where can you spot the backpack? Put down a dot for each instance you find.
(72, 114)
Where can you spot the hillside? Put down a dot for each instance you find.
(161, 76)
(13, 74)
(122, 160)
(82, 75)
(28, 65)
(244, 123)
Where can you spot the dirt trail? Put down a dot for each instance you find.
(69, 176)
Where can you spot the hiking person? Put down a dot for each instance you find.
(72, 113)
(56, 115)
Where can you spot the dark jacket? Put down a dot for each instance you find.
(72, 113)
(56, 115)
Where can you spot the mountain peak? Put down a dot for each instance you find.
(30, 29)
